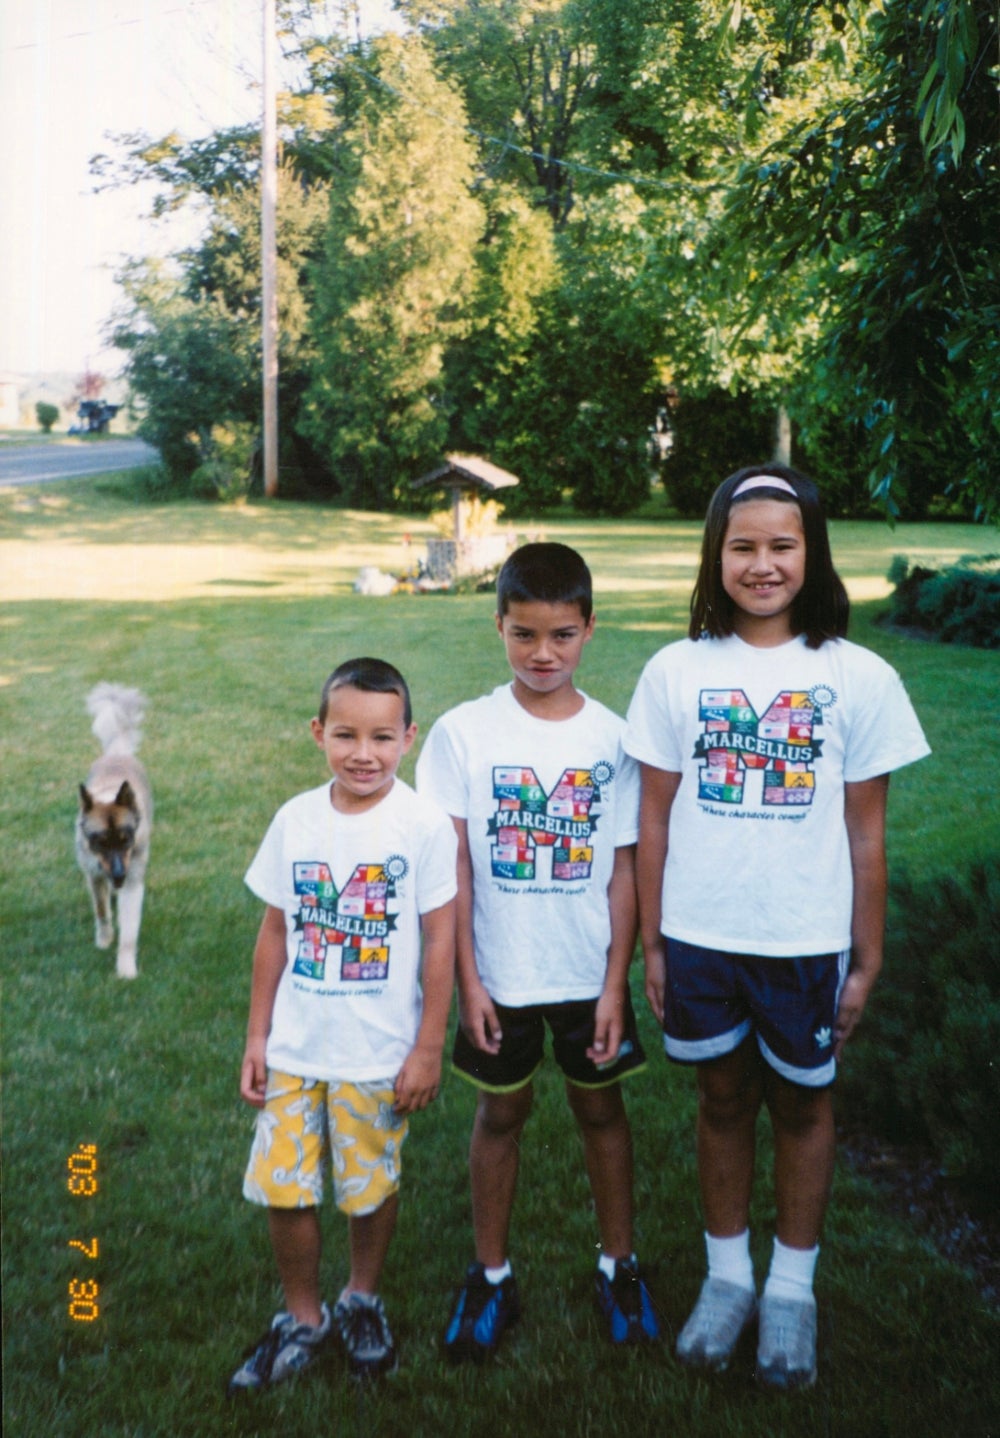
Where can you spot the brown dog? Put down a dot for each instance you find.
(115, 821)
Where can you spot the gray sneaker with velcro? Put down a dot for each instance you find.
(786, 1348)
(710, 1336)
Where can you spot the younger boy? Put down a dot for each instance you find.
(339, 1048)
(545, 804)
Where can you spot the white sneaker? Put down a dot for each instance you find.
(786, 1349)
(710, 1336)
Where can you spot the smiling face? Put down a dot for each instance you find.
(763, 568)
(544, 644)
(364, 737)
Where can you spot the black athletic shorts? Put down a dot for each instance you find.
(523, 1043)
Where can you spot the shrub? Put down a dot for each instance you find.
(925, 1064)
(713, 436)
(959, 605)
(217, 479)
(146, 484)
(609, 469)
(46, 414)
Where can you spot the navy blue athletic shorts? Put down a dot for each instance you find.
(713, 1001)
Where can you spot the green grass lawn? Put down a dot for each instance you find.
(230, 618)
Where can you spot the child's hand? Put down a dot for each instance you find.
(253, 1073)
(853, 998)
(418, 1081)
(478, 1018)
(609, 1027)
(655, 956)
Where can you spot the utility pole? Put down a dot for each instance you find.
(269, 253)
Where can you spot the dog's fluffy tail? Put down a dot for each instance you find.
(118, 713)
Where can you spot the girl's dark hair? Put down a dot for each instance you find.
(373, 675)
(553, 573)
(821, 607)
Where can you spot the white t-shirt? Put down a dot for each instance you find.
(765, 739)
(546, 804)
(352, 888)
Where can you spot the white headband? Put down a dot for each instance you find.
(763, 481)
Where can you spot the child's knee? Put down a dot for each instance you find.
(727, 1104)
(796, 1109)
(597, 1109)
(503, 1115)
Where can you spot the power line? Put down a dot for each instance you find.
(110, 25)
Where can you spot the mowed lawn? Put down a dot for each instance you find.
(229, 619)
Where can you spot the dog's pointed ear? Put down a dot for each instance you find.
(125, 796)
(86, 802)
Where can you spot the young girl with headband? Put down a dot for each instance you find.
(766, 741)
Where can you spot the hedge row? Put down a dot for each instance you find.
(960, 604)
(925, 1064)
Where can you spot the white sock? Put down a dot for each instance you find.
(608, 1265)
(791, 1272)
(497, 1275)
(729, 1259)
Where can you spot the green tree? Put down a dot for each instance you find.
(731, 80)
(190, 365)
(183, 170)
(198, 409)
(394, 286)
(526, 69)
(891, 200)
(610, 345)
(498, 403)
(566, 401)
(646, 120)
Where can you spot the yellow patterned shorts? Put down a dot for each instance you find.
(306, 1124)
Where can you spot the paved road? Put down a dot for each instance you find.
(70, 459)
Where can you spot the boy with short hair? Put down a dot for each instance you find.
(340, 1047)
(545, 804)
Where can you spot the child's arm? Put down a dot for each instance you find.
(609, 1015)
(864, 814)
(476, 1012)
(659, 786)
(268, 966)
(418, 1080)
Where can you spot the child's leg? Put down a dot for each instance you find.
(804, 1144)
(494, 1157)
(370, 1235)
(607, 1149)
(297, 1242)
(802, 1119)
(730, 1090)
(360, 1313)
(622, 1295)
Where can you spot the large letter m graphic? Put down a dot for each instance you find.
(734, 739)
(526, 817)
